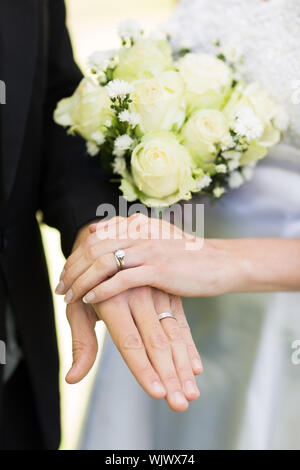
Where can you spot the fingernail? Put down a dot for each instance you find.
(88, 298)
(179, 399)
(197, 365)
(68, 296)
(190, 388)
(62, 274)
(60, 288)
(158, 388)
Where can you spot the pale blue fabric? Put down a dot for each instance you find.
(250, 387)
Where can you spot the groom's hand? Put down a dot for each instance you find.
(161, 355)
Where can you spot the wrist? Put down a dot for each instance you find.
(232, 269)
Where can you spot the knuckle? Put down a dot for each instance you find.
(132, 342)
(174, 334)
(143, 293)
(142, 217)
(90, 253)
(172, 379)
(100, 263)
(106, 262)
(77, 288)
(184, 370)
(80, 346)
(90, 240)
(183, 324)
(159, 341)
(146, 371)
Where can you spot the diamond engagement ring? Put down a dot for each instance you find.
(120, 259)
(163, 315)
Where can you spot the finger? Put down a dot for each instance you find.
(179, 348)
(94, 249)
(118, 236)
(109, 231)
(119, 321)
(84, 342)
(105, 223)
(157, 347)
(177, 308)
(104, 267)
(106, 229)
(111, 237)
(122, 281)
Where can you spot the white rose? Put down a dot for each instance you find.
(161, 170)
(203, 130)
(159, 102)
(208, 80)
(86, 111)
(145, 59)
(268, 110)
(264, 106)
(264, 110)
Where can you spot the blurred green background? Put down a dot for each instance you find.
(93, 26)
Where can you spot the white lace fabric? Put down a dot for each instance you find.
(266, 32)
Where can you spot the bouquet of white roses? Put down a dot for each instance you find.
(171, 123)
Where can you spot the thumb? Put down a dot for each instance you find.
(84, 341)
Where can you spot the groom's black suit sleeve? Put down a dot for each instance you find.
(74, 184)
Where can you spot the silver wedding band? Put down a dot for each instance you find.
(120, 259)
(164, 315)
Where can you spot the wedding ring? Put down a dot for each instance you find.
(164, 315)
(120, 259)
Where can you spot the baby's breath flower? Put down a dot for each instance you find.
(130, 29)
(122, 143)
(233, 165)
(221, 168)
(203, 182)
(247, 172)
(119, 165)
(108, 123)
(235, 180)
(119, 89)
(218, 192)
(247, 124)
(231, 155)
(133, 119)
(92, 148)
(98, 137)
(101, 60)
(227, 142)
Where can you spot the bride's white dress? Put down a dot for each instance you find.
(250, 388)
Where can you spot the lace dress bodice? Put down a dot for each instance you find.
(266, 32)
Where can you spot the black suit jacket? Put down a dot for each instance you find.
(42, 169)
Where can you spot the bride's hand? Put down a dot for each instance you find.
(162, 256)
(157, 254)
